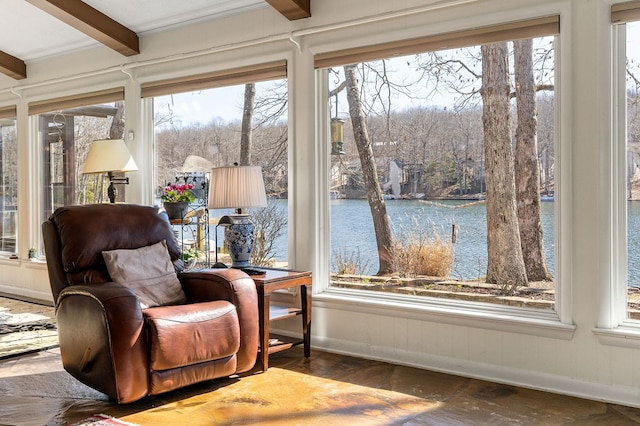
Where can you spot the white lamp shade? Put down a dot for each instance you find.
(109, 155)
(237, 187)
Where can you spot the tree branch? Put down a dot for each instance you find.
(338, 89)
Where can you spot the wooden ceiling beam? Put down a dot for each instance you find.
(292, 9)
(93, 23)
(12, 66)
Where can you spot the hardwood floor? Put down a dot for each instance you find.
(326, 389)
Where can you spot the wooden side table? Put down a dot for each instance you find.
(275, 279)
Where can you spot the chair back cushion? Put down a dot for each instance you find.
(147, 271)
(85, 231)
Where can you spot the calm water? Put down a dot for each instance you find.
(351, 222)
(352, 232)
(633, 243)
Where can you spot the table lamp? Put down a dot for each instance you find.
(109, 156)
(237, 187)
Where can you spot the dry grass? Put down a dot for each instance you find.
(350, 263)
(423, 255)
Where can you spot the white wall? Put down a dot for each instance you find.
(558, 353)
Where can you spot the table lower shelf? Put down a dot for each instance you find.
(279, 343)
(278, 312)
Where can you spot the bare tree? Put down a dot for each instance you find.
(270, 223)
(270, 141)
(505, 262)
(527, 172)
(370, 174)
(116, 130)
(545, 110)
(247, 125)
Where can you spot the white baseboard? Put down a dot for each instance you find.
(27, 294)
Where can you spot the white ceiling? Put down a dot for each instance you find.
(29, 33)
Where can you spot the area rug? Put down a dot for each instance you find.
(101, 420)
(25, 329)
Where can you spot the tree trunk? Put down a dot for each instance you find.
(527, 171)
(505, 263)
(247, 118)
(116, 131)
(370, 174)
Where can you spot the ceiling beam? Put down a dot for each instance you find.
(93, 23)
(292, 9)
(12, 66)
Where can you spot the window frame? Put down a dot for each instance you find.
(11, 112)
(614, 327)
(554, 324)
(259, 72)
(51, 105)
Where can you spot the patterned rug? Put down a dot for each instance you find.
(25, 328)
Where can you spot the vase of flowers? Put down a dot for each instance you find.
(190, 258)
(33, 253)
(176, 198)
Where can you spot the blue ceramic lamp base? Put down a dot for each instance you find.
(239, 235)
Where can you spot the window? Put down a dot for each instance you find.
(627, 15)
(198, 125)
(8, 180)
(633, 168)
(66, 129)
(416, 191)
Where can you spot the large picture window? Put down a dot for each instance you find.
(8, 180)
(221, 119)
(442, 165)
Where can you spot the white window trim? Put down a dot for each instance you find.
(625, 336)
(529, 321)
(614, 328)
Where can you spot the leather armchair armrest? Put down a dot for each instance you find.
(102, 339)
(236, 287)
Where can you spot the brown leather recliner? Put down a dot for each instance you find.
(110, 343)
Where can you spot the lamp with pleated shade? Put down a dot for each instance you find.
(109, 156)
(239, 188)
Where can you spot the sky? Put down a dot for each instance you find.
(203, 106)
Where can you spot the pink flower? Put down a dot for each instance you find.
(178, 192)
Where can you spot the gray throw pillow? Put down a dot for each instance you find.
(147, 271)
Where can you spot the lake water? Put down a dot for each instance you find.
(633, 243)
(352, 232)
(351, 221)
